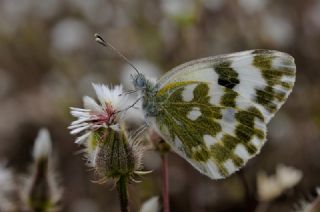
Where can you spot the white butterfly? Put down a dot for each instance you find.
(213, 111)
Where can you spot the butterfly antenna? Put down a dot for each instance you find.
(105, 43)
(131, 106)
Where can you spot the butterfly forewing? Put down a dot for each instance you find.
(214, 111)
(264, 78)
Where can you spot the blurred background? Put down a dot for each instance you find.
(48, 60)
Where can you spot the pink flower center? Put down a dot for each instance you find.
(106, 117)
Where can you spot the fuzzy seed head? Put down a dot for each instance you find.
(115, 155)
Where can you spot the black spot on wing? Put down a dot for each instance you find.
(226, 83)
(227, 76)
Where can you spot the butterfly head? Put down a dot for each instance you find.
(139, 81)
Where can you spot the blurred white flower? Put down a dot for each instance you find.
(97, 11)
(69, 35)
(179, 8)
(288, 176)
(277, 30)
(151, 205)
(7, 189)
(251, 6)
(270, 187)
(41, 190)
(213, 5)
(103, 115)
(42, 147)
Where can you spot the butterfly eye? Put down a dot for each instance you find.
(139, 81)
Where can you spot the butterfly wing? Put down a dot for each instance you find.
(214, 111)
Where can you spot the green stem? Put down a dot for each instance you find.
(123, 194)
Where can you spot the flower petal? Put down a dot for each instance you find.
(81, 139)
(103, 93)
(91, 104)
(80, 129)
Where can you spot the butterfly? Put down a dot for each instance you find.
(213, 111)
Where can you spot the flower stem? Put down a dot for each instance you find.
(165, 183)
(123, 194)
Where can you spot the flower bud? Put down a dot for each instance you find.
(42, 191)
(115, 155)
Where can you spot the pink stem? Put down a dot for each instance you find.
(165, 183)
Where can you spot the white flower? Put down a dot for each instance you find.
(95, 116)
(213, 5)
(251, 6)
(7, 189)
(68, 35)
(179, 8)
(42, 147)
(151, 205)
(40, 188)
(277, 29)
(288, 176)
(270, 187)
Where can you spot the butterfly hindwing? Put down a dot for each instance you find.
(215, 139)
(214, 111)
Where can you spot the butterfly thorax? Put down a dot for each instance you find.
(148, 92)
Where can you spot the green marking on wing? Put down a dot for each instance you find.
(244, 132)
(223, 151)
(187, 135)
(273, 75)
(191, 132)
(229, 98)
(246, 129)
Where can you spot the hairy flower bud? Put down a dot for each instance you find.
(115, 155)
